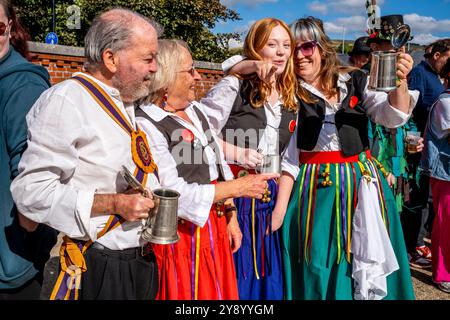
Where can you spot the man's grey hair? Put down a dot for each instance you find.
(112, 29)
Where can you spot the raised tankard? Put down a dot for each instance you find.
(383, 69)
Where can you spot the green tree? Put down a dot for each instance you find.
(190, 20)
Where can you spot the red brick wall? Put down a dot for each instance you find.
(61, 67)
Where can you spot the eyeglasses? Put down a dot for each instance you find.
(3, 27)
(191, 71)
(307, 48)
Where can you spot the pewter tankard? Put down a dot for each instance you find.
(383, 69)
(162, 223)
(271, 163)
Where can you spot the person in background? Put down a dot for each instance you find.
(360, 54)
(82, 131)
(436, 163)
(419, 210)
(200, 266)
(389, 145)
(256, 116)
(24, 244)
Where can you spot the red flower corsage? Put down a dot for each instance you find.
(353, 101)
(187, 135)
(292, 125)
(373, 35)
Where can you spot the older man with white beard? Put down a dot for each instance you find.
(81, 132)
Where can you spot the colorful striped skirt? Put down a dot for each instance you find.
(317, 229)
(258, 262)
(200, 265)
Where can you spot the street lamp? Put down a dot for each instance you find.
(53, 16)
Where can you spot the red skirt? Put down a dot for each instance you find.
(200, 265)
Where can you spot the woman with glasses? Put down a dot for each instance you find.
(256, 117)
(24, 245)
(325, 256)
(200, 265)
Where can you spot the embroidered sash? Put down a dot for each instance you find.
(71, 253)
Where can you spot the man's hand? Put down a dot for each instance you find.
(132, 207)
(420, 145)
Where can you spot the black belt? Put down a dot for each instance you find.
(130, 253)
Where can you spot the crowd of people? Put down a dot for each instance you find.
(330, 224)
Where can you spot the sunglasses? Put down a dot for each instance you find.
(191, 71)
(3, 27)
(307, 48)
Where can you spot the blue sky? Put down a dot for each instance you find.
(429, 19)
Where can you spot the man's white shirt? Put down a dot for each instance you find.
(75, 150)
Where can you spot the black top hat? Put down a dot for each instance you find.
(388, 24)
(359, 47)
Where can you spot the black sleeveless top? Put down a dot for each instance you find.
(194, 167)
(245, 118)
(351, 120)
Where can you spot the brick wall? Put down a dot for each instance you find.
(62, 61)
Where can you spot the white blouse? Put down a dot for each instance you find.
(219, 103)
(75, 150)
(195, 199)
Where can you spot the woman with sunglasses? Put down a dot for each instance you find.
(24, 245)
(200, 265)
(330, 153)
(256, 117)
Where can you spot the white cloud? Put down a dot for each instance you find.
(347, 6)
(426, 24)
(424, 39)
(232, 43)
(248, 3)
(317, 6)
(243, 29)
(351, 24)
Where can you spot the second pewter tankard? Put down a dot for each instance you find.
(162, 223)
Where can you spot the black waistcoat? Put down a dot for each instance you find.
(351, 120)
(191, 169)
(248, 119)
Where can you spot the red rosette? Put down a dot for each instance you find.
(187, 135)
(292, 125)
(353, 101)
(373, 35)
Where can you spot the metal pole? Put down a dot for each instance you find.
(53, 16)
(343, 37)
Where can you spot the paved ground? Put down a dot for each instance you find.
(424, 287)
(422, 282)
